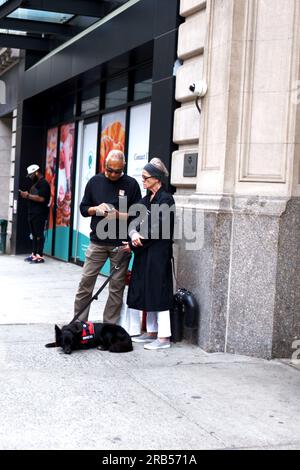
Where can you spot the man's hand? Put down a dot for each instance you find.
(111, 214)
(100, 210)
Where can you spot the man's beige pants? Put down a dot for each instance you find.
(96, 256)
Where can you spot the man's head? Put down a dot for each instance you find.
(33, 171)
(114, 165)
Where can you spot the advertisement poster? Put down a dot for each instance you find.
(86, 167)
(50, 176)
(112, 135)
(138, 148)
(64, 191)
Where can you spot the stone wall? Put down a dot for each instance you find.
(191, 39)
(5, 154)
(247, 185)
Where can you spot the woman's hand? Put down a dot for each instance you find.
(125, 248)
(136, 239)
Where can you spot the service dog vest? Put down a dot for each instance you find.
(88, 333)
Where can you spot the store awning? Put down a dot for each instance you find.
(44, 24)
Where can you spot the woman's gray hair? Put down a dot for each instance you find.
(159, 165)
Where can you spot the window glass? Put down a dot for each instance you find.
(90, 100)
(67, 108)
(143, 83)
(116, 92)
(40, 15)
(53, 114)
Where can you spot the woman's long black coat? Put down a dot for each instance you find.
(151, 285)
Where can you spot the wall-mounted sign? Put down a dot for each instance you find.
(190, 164)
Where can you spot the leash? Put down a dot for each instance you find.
(114, 269)
(95, 296)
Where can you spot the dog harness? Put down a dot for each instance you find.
(88, 332)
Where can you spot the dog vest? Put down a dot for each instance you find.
(88, 332)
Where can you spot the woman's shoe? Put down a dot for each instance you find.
(157, 344)
(145, 338)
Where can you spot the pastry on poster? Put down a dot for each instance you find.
(66, 151)
(61, 197)
(112, 138)
(68, 198)
(116, 132)
(58, 217)
(64, 195)
(66, 212)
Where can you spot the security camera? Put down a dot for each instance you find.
(199, 88)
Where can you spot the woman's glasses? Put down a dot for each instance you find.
(144, 178)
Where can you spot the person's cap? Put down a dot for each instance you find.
(32, 169)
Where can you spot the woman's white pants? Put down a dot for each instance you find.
(159, 322)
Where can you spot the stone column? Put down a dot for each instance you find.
(5, 152)
(245, 275)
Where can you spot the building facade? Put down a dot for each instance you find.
(247, 182)
(233, 154)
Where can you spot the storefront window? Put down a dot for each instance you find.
(143, 84)
(143, 90)
(67, 108)
(53, 114)
(90, 100)
(116, 92)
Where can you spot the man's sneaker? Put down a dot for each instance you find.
(30, 258)
(157, 344)
(145, 338)
(37, 261)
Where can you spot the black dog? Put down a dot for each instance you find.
(85, 335)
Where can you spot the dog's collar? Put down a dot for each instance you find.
(88, 332)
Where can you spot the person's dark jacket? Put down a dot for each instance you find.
(39, 209)
(151, 285)
(101, 189)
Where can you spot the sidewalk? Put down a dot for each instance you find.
(180, 398)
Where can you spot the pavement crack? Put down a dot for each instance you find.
(165, 399)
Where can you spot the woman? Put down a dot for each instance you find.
(151, 285)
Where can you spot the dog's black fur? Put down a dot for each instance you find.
(107, 336)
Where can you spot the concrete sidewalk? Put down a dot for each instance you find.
(180, 398)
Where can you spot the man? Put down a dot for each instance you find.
(104, 195)
(38, 201)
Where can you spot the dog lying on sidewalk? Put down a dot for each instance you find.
(85, 335)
